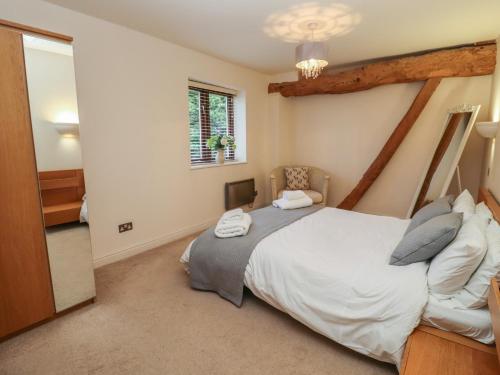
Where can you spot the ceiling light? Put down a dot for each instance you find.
(311, 57)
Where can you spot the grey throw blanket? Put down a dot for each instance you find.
(218, 264)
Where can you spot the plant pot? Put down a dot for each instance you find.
(220, 156)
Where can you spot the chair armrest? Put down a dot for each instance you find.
(326, 182)
(274, 188)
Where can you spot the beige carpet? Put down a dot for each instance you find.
(148, 321)
(71, 267)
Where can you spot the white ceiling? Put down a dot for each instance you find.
(262, 34)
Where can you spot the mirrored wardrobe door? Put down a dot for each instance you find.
(54, 116)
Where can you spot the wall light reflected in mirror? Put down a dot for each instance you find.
(67, 130)
(292, 24)
(67, 124)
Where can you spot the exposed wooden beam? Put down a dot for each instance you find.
(445, 141)
(392, 144)
(460, 62)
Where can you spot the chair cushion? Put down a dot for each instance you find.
(297, 178)
(314, 195)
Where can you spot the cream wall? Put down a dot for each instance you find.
(132, 98)
(52, 91)
(344, 133)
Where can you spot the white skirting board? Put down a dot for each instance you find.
(149, 245)
(159, 241)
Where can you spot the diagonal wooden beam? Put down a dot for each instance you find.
(475, 60)
(392, 144)
(445, 141)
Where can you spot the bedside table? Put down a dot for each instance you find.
(431, 351)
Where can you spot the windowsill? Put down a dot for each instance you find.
(213, 165)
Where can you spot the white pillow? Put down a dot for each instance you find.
(474, 295)
(483, 211)
(451, 268)
(465, 204)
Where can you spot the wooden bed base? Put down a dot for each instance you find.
(62, 193)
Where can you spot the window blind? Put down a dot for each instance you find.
(211, 112)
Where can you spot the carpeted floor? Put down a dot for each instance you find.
(148, 321)
(70, 257)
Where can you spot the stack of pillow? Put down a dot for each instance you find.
(431, 229)
(463, 243)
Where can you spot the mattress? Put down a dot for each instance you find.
(330, 270)
(473, 323)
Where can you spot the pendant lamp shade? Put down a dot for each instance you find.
(311, 58)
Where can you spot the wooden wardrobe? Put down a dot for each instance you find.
(25, 285)
(36, 280)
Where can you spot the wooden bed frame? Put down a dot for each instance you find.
(432, 351)
(488, 198)
(62, 193)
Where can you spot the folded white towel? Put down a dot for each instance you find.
(232, 215)
(290, 205)
(233, 228)
(291, 195)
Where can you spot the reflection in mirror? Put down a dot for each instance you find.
(54, 114)
(444, 164)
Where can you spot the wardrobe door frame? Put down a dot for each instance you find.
(26, 295)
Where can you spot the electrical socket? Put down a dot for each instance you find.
(125, 227)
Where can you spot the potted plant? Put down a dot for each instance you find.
(219, 142)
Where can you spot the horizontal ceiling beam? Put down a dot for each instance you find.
(470, 61)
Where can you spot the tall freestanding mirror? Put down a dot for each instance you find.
(442, 175)
(54, 119)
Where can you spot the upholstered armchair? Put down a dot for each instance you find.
(318, 181)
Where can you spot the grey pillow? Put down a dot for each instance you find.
(427, 240)
(439, 207)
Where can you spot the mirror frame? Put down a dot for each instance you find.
(473, 109)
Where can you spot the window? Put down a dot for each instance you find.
(210, 112)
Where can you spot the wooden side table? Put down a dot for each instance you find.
(431, 351)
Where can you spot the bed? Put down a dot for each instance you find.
(61, 193)
(84, 213)
(330, 271)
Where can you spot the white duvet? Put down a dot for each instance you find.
(330, 271)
